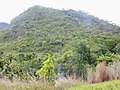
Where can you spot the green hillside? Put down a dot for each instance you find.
(50, 29)
(74, 38)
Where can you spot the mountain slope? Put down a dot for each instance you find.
(3, 25)
(88, 19)
(40, 28)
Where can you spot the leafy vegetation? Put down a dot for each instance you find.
(47, 70)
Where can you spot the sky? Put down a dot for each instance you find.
(103, 9)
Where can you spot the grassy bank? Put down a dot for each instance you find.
(110, 85)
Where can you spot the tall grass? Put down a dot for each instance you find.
(91, 78)
(63, 84)
(113, 70)
(59, 84)
(104, 72)
(23, 85)
(101, 72)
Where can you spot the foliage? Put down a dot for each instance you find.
(107, 57)
(21, 65)
(47, 70)
(83, 57)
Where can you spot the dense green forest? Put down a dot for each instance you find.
(44, 43)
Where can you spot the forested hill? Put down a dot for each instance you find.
(74, 38)
(50, 29)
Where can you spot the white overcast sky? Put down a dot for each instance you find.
(103, 9)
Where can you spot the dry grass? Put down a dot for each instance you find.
(99, 75)
(63, 83)
(60, 84)
(103, 72)
(22, 85)
(91, 76)
(113, 71)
